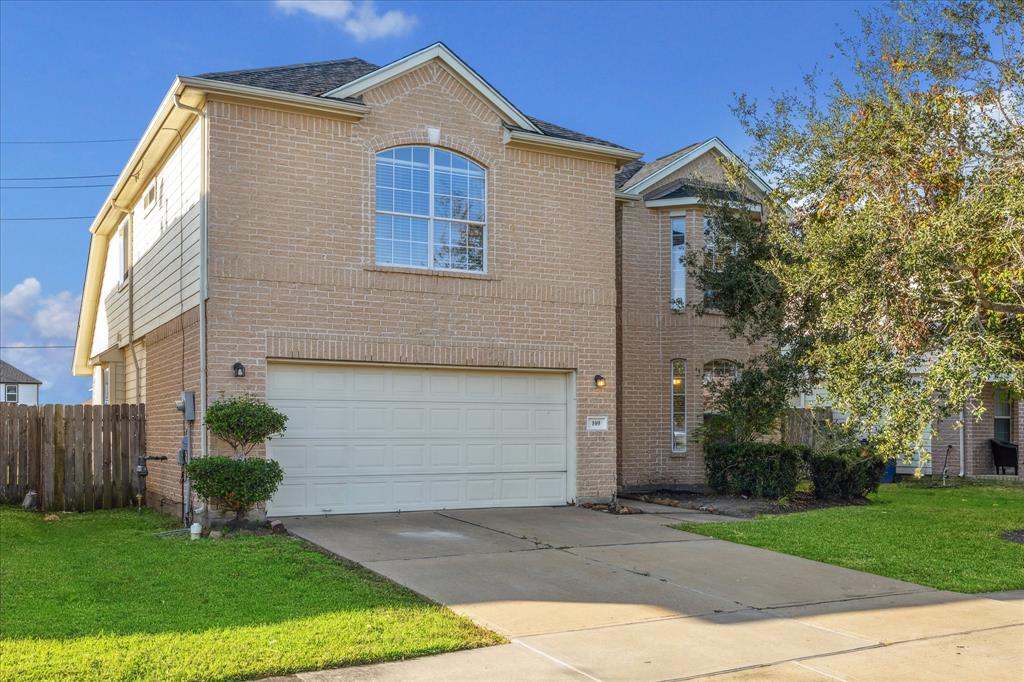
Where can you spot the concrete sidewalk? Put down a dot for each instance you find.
(584, 595)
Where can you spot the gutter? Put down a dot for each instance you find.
(540, 140)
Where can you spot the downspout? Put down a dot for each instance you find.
(203, 276)
(963, 439)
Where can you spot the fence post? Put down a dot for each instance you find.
(59, 453)
(86, 491)
(108, 466)
(5, 448)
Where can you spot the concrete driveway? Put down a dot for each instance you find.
(584, 595)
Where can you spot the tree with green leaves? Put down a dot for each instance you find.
(888, 260)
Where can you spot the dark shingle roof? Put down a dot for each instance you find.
(317, 78)
(685, 189)
(9, 374)
(313, 78)
(627, 172)
(646, 169)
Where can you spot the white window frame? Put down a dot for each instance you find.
(7, 393)
(1001, 397)
(431, 217)
(122, 253)
(672, 407)
(154, 194)
(677, 266)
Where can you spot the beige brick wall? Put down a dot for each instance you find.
(171, 367)
(977, 432)
(653, 334)
(292, 272)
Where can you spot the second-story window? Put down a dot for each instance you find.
(431, 210)
(678, 297)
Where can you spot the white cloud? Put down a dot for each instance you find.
(360, 20)
(29, 317)
(52, 317)
(20, 299)
(57, 316)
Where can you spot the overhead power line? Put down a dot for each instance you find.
(116, 139)
(62, 217)
(107, 184)
(63, 177)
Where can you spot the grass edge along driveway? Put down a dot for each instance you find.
(946, 538)
(98, 596)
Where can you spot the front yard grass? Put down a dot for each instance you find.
(98, 596)
(946, 538)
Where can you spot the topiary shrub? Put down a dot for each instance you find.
(847, 474)
(235, 484)
(243, 422)
(766, 470)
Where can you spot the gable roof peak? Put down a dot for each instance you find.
(9, 374)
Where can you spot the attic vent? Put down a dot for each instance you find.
(152, 195)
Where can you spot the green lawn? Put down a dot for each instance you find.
(98, 596)
(947, 538)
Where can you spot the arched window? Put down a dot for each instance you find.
(431, 210)
(717, 375)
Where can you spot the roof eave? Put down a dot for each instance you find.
(421, 57)
(714, 143)
(571, 147)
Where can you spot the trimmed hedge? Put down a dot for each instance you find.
(758, 469)
(848, 474)
(235, 484)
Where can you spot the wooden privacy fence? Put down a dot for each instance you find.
(76, 457)
(805, 426)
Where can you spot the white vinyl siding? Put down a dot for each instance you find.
(389, 438)
(678, 265)
(164, 253)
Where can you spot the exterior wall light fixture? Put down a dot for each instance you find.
(238, 369)
(600, 381)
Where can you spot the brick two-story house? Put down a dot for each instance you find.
(456, 304)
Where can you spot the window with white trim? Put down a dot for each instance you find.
(1001, 415)
(679, 406)
(431, 210)
(678, 251)
(714, 246)
(122, 254)
(106, 385)
(11, 393)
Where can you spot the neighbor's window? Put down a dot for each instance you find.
(1001, 415)
(11, 393)
(431, 210)
(678, 262)
(106, 385)
(714, 245)
(679, 406)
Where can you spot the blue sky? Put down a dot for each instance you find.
(651, 76)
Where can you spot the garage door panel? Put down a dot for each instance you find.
(387, 438)
(377, 494)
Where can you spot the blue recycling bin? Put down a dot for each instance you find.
(889, 475)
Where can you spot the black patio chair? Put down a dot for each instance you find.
(1004, 455)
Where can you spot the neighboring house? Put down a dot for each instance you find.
(456, 304)
(966, 451)
(17, 386)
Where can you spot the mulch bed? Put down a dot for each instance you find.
(1014, 535)
(746, 507)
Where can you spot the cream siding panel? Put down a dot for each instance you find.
(135, 385)
(165, 250)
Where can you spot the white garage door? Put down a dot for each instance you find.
(372, 438)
